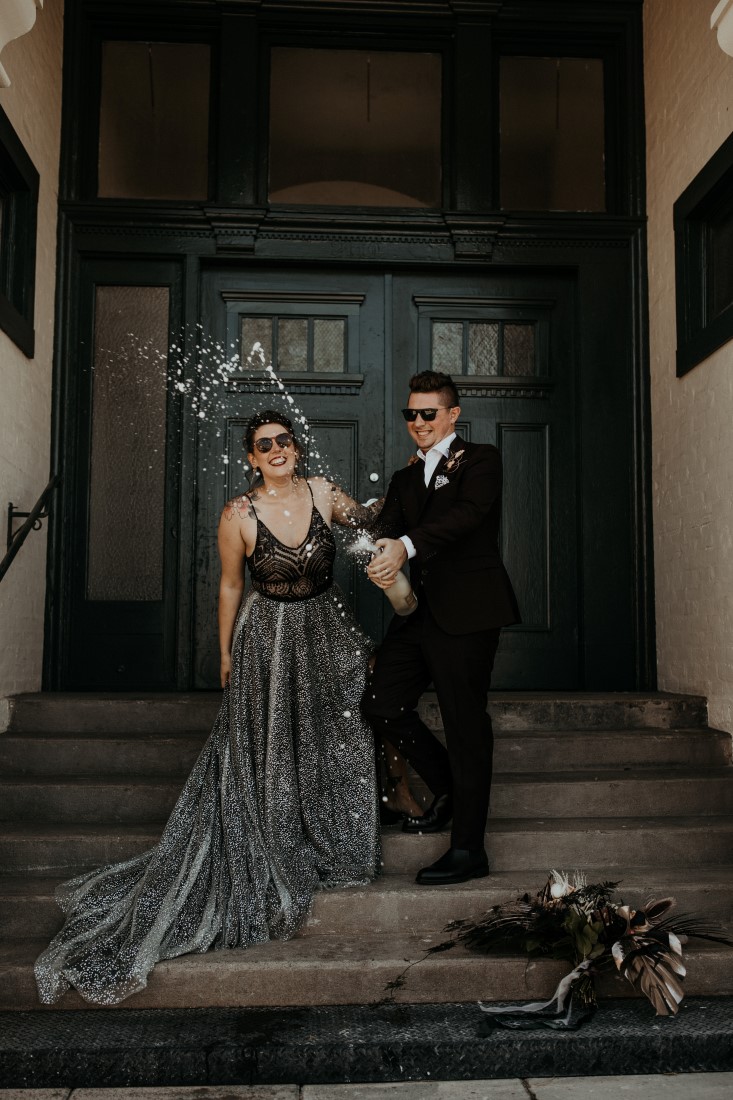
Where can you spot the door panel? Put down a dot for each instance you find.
(120, 542)
(310, 324)
(525, 450)
(506, 339)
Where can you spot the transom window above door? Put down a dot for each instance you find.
(355, 127)
(154, 120)
(487, 348)
(552, 133)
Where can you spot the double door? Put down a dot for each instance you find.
(159, 450)
(343, 346)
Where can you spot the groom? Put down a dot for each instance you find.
(443, 512)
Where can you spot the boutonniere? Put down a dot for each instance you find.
(454, 461)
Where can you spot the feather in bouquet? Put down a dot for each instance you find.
(572, 920)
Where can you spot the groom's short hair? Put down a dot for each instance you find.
(433, 381)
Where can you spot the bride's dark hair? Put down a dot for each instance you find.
(267, 416)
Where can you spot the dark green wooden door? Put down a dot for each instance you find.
(154, 471)
(507, 340)
(345, 346)
(324, 332)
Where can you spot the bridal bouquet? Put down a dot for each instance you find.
(580, 922)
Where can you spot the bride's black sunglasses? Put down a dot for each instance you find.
(264, 444)
(411, 415)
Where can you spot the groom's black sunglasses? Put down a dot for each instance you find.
(411, 415)
(264, 444)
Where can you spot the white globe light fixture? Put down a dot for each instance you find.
(721, 21)
(16, 19)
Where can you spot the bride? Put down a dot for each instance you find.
(282, 800)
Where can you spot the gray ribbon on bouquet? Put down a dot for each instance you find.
(535, 1014)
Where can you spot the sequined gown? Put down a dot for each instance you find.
(281, 802)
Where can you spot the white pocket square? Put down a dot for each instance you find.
(440, 481)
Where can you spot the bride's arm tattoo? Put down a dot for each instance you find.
(239, 506)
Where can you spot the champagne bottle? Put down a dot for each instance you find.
(401, 595)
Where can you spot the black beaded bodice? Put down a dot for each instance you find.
(292, 573)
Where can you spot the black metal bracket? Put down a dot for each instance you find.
(13, 514)
(33, 520)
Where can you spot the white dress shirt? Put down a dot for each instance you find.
(431, 460)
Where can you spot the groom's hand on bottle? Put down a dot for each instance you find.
(387, 562)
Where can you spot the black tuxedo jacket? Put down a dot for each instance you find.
(454, 526)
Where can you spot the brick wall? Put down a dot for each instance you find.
(689, 112)
(33, 105)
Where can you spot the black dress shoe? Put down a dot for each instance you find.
(457, 865)
(434, 819)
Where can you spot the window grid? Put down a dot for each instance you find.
(295, 344)
(504, 349)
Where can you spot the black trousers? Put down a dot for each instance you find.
(415, 652)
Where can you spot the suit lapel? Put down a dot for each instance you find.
(418, 492)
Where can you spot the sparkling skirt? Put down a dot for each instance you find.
(281, 802)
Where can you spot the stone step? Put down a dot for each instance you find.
(513, 845)
(320, 970)
(64, 850)
(515, 751)
(578, 843)
(394, 903)
(110, 754)
(125, 713)
(527, 751)
(160, 713)
(142, 799)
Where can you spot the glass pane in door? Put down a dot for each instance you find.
(483, 348)
(519, 351)
(127, 476)
(292, 344)
(329, 345)
(447, 352)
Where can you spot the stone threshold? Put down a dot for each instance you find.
(348, 1044)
